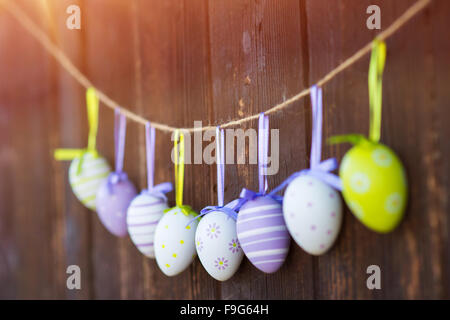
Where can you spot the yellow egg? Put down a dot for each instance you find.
(374, 185)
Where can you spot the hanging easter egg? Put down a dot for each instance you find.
(374, 185)
(175, 232)
(146, 209)
(87, 179)
(311, 206)
(113, 199)
(313, 214)
(143, 215)
(217, 244)
(373, 178)
(262, 233)
(117, 192)
(175, 241)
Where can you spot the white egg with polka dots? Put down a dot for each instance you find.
(313, 214)
(175, 242)
(217, 245)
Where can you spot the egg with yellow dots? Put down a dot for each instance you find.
(374, 185)
(174, 241)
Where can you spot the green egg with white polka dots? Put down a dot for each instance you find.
(374, 185)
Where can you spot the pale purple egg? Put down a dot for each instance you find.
(112, 205)
(262, 233)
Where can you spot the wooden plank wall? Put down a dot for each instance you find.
(178, 61)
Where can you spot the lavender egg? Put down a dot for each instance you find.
(143, 215)
(262, 233)
(112, 205)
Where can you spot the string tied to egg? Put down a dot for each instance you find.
(321, 170)
(161, 189)
(263, 148)
(228, 209)
(120, 128)
(179, 177)
(375, 80)
(92, 105)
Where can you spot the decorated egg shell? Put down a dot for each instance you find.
(262, 233)
(85, 184)
(112, 205)
(217, 245)
(175, 242)
(374, 185)
(313, 214)
(143, 215)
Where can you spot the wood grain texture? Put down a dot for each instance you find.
(213, 61)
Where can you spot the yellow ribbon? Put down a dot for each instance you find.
(179, 167)
(179, 176)
(377, 62)
(92, 104)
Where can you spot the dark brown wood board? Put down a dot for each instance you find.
(180, 61)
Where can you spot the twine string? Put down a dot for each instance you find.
(25, 21)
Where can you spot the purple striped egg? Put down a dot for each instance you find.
(143, 215)
(112, 204)
(262, 233)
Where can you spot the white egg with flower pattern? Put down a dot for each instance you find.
(313, 214)
(175, 242)
(217, 245)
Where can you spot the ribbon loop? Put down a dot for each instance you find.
(120, 128)
(92, 111)
(320, 170)
(316, 136)
(263, 146)
(150, 150)
(220, 161)
(92, 105)
(161, 189)
(179, 167)
(179, 177)
(376, 68)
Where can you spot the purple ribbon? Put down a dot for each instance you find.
(227, 210)
(322, 171)
(263, 149)
(220, 160)
(318, 169)
(161, 189)
(247, 195)
(120, 127)
(230, 208)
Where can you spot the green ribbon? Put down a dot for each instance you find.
(354, 139)
(376, 68)
(92, 104)
(377, 62)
